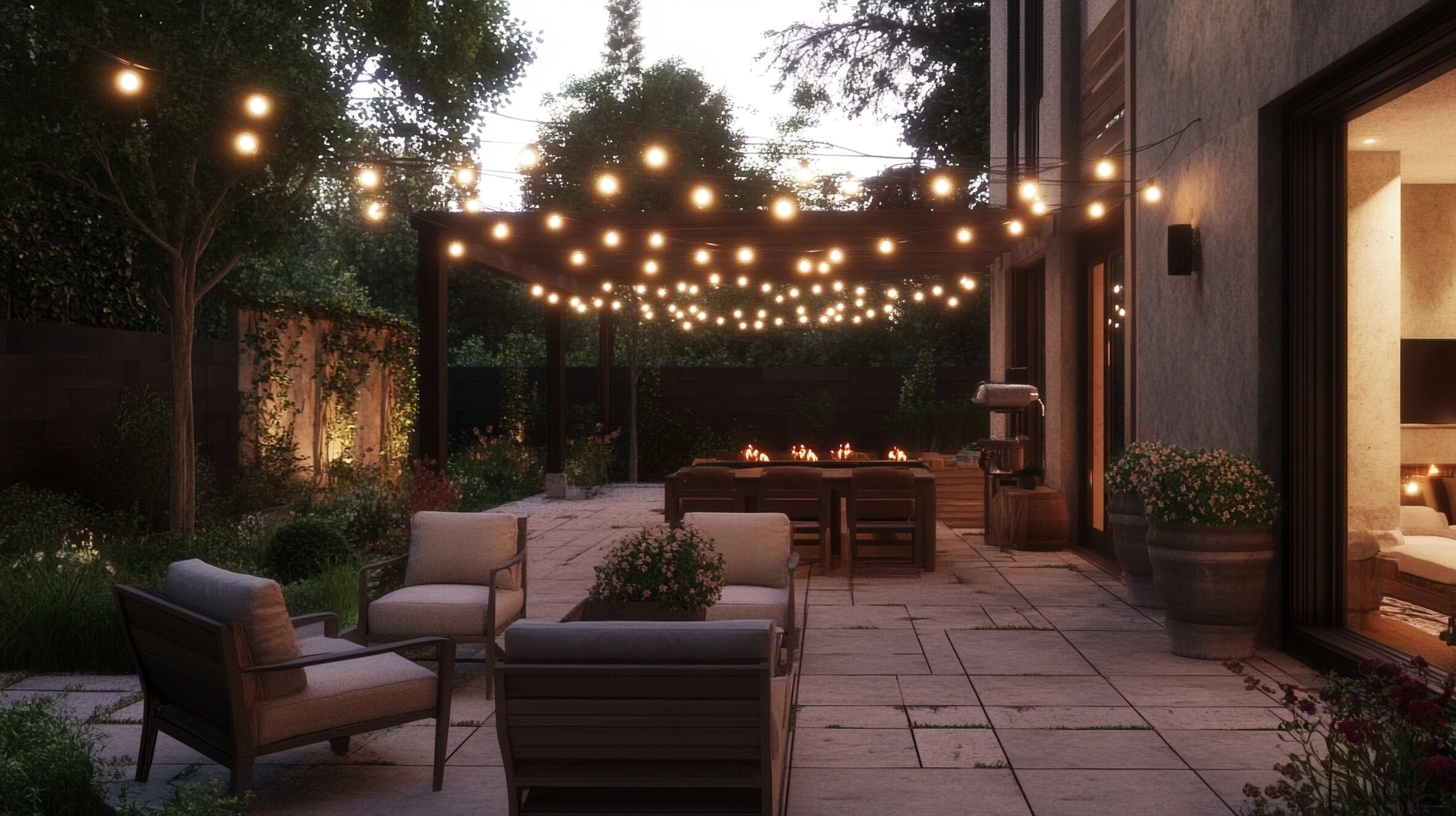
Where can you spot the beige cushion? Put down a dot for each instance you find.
(755, 546)
(460, 548)
(256, 603)
(743, 602)
(346, 692)
(441, 609)
(1422, 520)
(642, 641)
(1426, 556)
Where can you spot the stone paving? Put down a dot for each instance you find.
(1004, 683)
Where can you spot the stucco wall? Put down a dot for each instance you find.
(1207, 346)
(1428, 261)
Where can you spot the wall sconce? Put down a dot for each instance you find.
(1185, 250)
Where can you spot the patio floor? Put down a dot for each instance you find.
(1004, 682)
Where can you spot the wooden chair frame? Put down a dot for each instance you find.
(192, 671)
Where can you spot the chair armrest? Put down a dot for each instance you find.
(330, 621)
(364, 573)
(506, 564)
(444, 648)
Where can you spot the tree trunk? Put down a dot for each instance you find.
(183, 327)
(633, 375)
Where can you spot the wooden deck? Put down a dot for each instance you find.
(959, 497)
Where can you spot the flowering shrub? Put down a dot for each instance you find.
(589, 459)
(679, 568)
(1212, 488)
(1377, 743)
(497, 470)
(58, 611)
(1133, 470)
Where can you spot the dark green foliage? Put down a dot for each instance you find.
(944, 427)
(50, 764)
(927, 62)
(304, 548)
(36, 520)
(812, 418)
(670, 438)
(127, 467)
(495, 470)
(193, 799)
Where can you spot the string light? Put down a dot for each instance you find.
(1038, 207)
(129, 82)
(257, 105)
(578, 258)
(246, 144)
(1029, 190)
(836, 255)
(702, 197)
(611, 238)
(886, 246)
(501, 230)
(714, 279)
(1105, 169)
(607, 286)
(952, 301)
(367, 178)
(471, 205)
(963, 235)
(968, 283)
(554, 221)
(941, 186)
(656, 240)
(1096, 209)
(745, 255)
(553, 298)
(1015, 227)
(650, 267)
(538, 290)
(374, 211)
(850, 187)
(457, 249)
(528, 158)
(804, 175)
(742, 280)
(465, 176)
(1152, 194)
(655, 157)
(608, 185)
(785, 208)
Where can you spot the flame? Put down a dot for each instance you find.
(896, 455)
(811, 456)
(844, 451)
(751, 454)
(803, 453)
(763, 457)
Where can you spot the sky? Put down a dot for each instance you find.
(721, 40)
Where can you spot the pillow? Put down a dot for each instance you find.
(755, 546)
(1419, 520)
(256, 603)
(460, 548)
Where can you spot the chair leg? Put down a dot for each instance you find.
(442, 741)
(490, 650)
(148, 745)
(339, 745)
(242, 770)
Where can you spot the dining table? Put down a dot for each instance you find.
(838, 476)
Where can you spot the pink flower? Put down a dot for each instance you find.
(1357, 732)
(1440, 770)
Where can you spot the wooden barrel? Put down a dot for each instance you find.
(1047, 524)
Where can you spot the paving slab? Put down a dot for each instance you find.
(1074, 792)
(917, 792)
(816, 716)
(959, 748)
(1017, 652)
(854, 748)
(1066, 717)
(1095, 749)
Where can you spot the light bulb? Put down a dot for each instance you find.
(785, 208)
(1152, 194)
(1029, 190)
(367, 178)
(836, 255)
(941, 186)
(465, 176)
(1015, 227)
(578, 258)
(246, 144)
(457, 249)
(1039, 207)
(528, 157)
(608, 185)
(963, 235)
(128, 81)
(1096, 209)
(656, 240)
(554, 221)
(650, 267)
(702, 197)
(655, 157)
(1105, 169)
(886, 246)
(257, 105)
(375, 211)
(701, 256)
(501, 230)
(745, 255)
(611, 238)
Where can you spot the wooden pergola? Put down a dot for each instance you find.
(586, 259)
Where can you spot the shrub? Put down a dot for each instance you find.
(209, 799)
(50, 763)
(429, 489)
(33, 520)
(678, 567)
(495, 470)
(58, 611)
(1378, 743)
(939, 426)
(589, 458)
(304, 548)
(335, 589)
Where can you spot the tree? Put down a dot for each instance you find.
(624, 43)
(166, 152)
(606, 121)
(928, 58)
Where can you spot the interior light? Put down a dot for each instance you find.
(128, 81)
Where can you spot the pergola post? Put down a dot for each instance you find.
(430, 426)
(555, 402)
(606, 336)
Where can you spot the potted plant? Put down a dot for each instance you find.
(657, 573)
(1126, 480)
(1210, 545)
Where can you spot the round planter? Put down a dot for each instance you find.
(1211, 582)
(1130, 543)
(595, 610)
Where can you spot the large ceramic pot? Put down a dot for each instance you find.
(594, 610)
(1130, 542)
(1211, 582)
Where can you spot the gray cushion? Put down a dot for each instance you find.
(256, 603)
(460, 548)
(751, 602)
(639, 641)
(1419, 520)
(441, 609)
(755, 546)
(346, 692)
